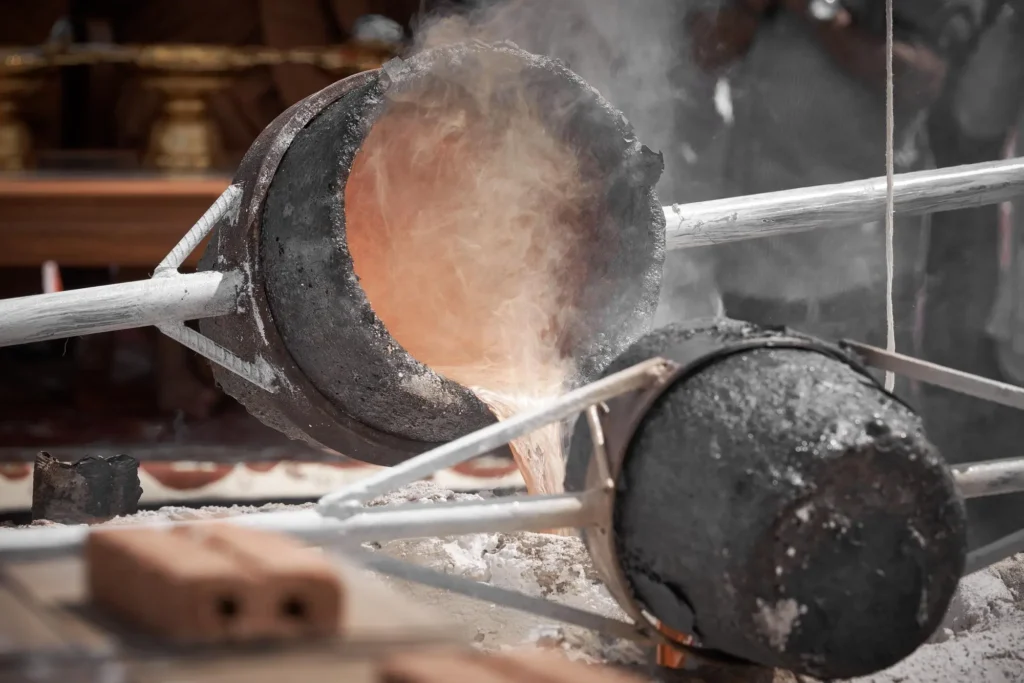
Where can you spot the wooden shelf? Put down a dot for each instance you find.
(82, 220)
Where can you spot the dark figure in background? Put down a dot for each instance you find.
(974, 317)
(808, 108)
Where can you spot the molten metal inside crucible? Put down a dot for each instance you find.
(466, 221)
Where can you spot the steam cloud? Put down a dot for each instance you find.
(464, 218)
(636, 54)
(464, 214)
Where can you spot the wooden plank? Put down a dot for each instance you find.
(304, 668)
(118, 187)
(50, 582)
(52, 587)
(377, 622)
(375, 614)
(127, 221)
(22, 629)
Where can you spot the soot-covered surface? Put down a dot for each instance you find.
(322, 312)
(344, 382)
(791, 503)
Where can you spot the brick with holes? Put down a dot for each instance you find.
(214, 583)
(170, 585)
(301, 593)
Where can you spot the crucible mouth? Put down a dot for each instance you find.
(474, 217)
(480, 214)
(470, 224)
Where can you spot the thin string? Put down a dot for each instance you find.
(890, 315)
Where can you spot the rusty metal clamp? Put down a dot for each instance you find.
(602, 472)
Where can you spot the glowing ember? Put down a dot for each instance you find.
(465, 220)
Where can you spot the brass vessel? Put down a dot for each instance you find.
(184, 136)
(20, 76)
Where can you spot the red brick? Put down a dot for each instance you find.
(170, 585)
(301, 593)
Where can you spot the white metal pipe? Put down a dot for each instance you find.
(523, 513)
(997, 551)
(30, 542)
(939, 375)
(348, 500)
(28, 319)
(990, 478)
(188, 297)
(500, 515)
(775, 213)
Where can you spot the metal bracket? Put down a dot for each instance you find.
(349, 500)
(259, 372)
(499, 596)
(973, 480)
(602, 473)
(938, 375)
(598, 500)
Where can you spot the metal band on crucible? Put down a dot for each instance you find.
(613, 425)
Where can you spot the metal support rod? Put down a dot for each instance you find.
(997, 551)
(114, 307)
(28, 319)
(547, 609)
(497, 515)
(348, 500)
(939, 375)
(854, 203)
(228, 201)
(990, 478)
(259, 373)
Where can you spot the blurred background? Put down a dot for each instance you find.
(121, 121)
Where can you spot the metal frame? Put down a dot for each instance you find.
(842, 204)
(169, 299)
(341, 518)
(188, 297)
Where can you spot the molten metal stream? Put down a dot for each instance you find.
(464, 222)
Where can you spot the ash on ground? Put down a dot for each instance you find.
(982, 638)
(555, 567)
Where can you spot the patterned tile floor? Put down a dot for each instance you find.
(180, 482)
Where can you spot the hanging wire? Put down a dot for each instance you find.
(890, 315)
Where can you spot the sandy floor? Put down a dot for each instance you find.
(982, 640)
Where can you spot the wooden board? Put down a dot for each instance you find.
(45, 617)
(131, 221)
